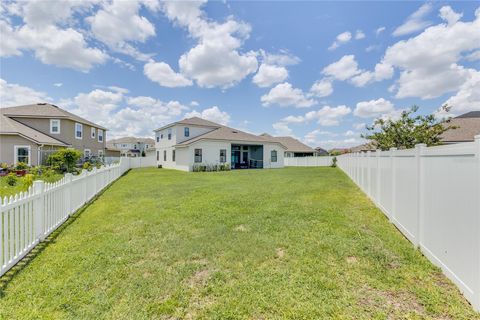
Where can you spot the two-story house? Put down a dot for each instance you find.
(181, 145)
(132, 146)
(29, 133)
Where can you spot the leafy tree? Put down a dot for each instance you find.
(408, 130)
(64, 159)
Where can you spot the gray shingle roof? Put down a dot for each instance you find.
(468, 128)
(45, 110)
(292, 144)
(194, 121)
(10, 126)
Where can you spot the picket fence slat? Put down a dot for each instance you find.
(29, 217)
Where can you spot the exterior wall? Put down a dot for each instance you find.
(194, 132)
(67, 133)
(185, 156)
(7, 149)
(267, 159)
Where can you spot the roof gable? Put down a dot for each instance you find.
(45, 110)
(10, 126)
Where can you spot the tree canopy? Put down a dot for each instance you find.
(408, 130)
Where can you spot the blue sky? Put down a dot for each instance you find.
(318, 71)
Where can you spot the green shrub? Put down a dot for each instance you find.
(334, 162)
(3, 165)
(11, 179)
(28, 180)
(87, 166)
(64, 159)
(21, 166)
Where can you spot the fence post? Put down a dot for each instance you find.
(394, 183)
(420, 192)
(377, 176)
(68, 193)
(94, 174)
(38, 188)
(369, 174)
(84, 185)
(476, 303)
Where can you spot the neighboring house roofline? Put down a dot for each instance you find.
(45, 111)
(10, 126)
(189, 122)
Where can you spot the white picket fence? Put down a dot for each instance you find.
(432, 195)
(308, 161)
(29, 217)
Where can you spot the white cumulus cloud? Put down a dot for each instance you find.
(163, 74)
(284, 95)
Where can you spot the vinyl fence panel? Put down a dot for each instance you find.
(29, 217)
(307, 161)
(432, 195)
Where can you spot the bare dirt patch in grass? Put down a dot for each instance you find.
(394, 303)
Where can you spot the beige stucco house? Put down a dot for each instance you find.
(29, 133)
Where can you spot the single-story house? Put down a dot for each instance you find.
(294, 147)
(468, 126)
(182, 145)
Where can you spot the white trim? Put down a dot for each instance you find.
(51, 126)
(15, 154)
(92, 132)
(81, 131)
(100, 135)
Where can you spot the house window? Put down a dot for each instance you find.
(273, 155)
(173, 155)
(223, 155)
(158, 155)
(87, 153)
(187, 132)
(92, 132)
(54, 126)
(22, 154)
(100, 135)
(158, 139)
(198, 155)
(164, 155)
(78, 131)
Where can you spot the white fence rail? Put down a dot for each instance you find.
(29, 217)
(433, 196)
(308, 161)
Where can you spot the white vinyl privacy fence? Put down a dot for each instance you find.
(29, 217)
(308, 161)
(433, 196)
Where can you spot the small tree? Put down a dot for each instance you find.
(408, 130)
(64, 159)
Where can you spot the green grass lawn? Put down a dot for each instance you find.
(299, 243)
